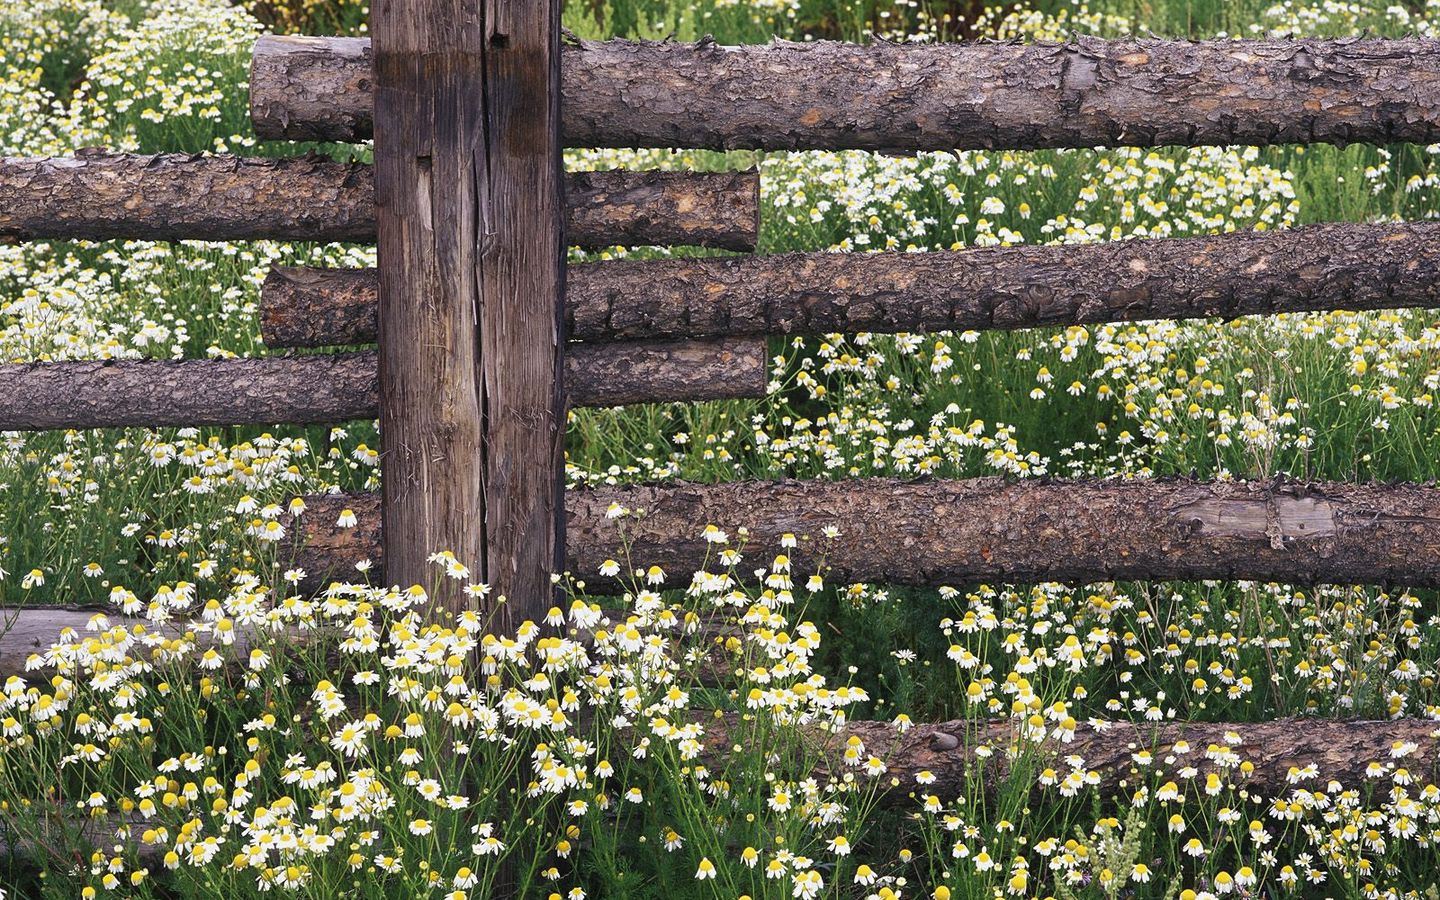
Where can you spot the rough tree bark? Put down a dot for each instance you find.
(708, 209)
(662, 371)
(336, 388)
(158, 393)
(954, 532)
(1087, 92)
(1318, 267)
(97, 195)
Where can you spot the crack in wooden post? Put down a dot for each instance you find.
(470, 212)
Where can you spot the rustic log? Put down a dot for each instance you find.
(1315, 268)
(160, 393)
(954, 532)
(628, 372)
(1087, 92)
(336, 388)
(169, 197)
(1340, 749)
(708, 209)
(32, 631)
(99, 196)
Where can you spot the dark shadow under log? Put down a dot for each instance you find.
(957, 532)
(340, 387)
(170, 197)
(824, 95)
(1315, 268)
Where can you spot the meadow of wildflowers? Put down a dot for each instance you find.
(235, 737)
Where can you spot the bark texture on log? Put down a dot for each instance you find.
(339, 387)
(170, 197)
(1340, 749)
(310, 306)
(181, 393)
(708, 209)
(822, 95)
(617, 374)
(300, 88)
(100, 196)
(1315, 268)
(954, 532)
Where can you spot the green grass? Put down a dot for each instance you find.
(1345, 397)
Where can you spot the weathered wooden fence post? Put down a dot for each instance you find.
(471, 261)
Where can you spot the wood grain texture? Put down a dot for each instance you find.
(822, 95)
(987, 529)
(1315, 268)
(470, 208)
(169, 197)
(27, 632)
(340, 387)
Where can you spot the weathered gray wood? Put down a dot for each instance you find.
(953, 532)
(97, 195)
(32, 631)
(336, 388)
(1086, 92)
(1315, 268)
(470, 208)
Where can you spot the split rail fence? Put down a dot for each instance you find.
(484, 334)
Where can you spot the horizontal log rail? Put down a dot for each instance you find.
(1340, 749)
(1087, 92)
(170, 197)
(340, 387)
(1309, 269)
(954, 532)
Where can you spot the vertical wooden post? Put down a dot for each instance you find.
(471, 264)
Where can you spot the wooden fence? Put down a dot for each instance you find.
(484, 334)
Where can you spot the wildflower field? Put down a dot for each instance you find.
(729, 733)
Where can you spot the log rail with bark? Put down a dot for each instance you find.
(822, 95)
(344, 386)
(1339, 749)
(1310, 269)
(168, 197)
(985, 529)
